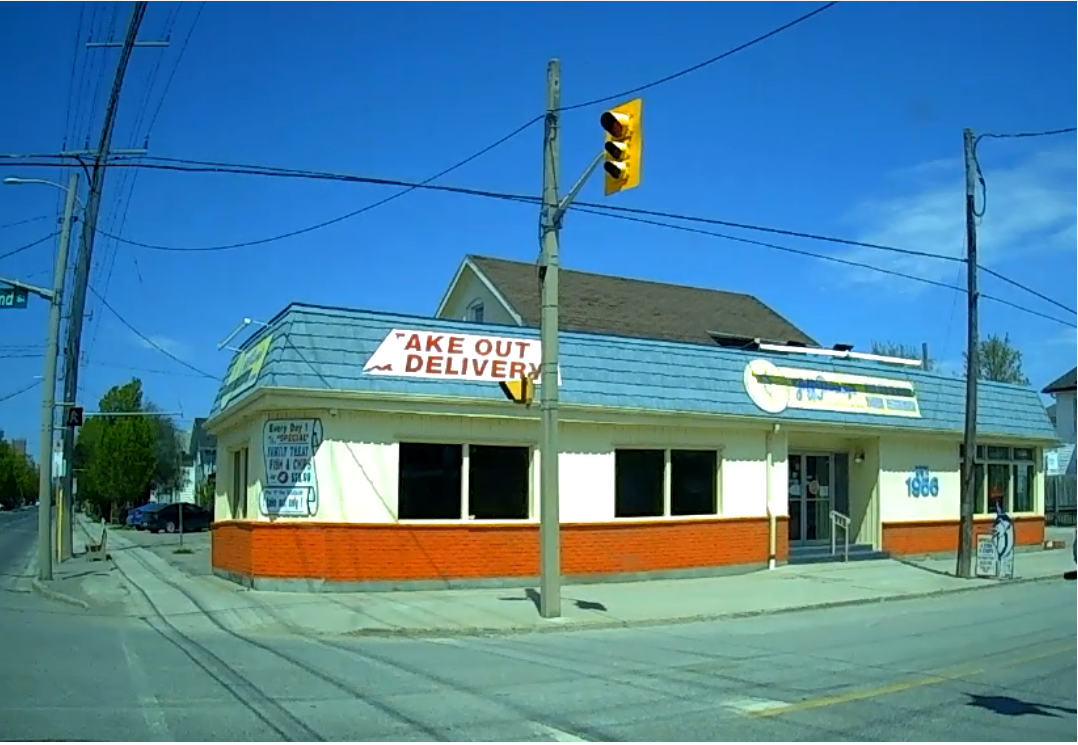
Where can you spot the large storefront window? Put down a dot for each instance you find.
(641, 485)
(1005, 477)
(430, 484)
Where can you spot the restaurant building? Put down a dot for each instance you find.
(367, 450)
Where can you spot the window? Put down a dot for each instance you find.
(1005, 477)
(238, 497)
(661, 483)
(475, 312)
(454, 482)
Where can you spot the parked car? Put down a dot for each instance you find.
(167, 518)
(136, 517)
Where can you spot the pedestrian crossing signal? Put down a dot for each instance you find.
(520, 390)
(74, 416)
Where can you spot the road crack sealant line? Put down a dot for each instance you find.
(331, 680)
(289, 727)
(540, 721)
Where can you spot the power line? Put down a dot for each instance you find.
(28, 246)
(1025, 135)
(147, 339)
(20, 391)
(705, 63)
(179, 59)
(478, 154)
(824, 257)
(24, 222)
(197, 166)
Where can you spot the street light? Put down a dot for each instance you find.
(52, 353)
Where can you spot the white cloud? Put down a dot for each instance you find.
(1030, 210)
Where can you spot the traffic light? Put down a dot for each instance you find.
(624, 145)
(519, 390)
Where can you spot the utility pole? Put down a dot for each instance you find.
(82, 271)
(964, 568)
(549, 496)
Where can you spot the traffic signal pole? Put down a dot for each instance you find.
(621, 159)
(549, 220)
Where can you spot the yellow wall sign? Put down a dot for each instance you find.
(775, 389)
(244, 370)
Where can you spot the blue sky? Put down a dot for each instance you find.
(848, 125)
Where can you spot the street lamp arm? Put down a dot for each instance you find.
(16, 181)
(39, 291)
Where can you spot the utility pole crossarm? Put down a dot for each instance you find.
(41, 292)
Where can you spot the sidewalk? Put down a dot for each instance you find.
(181, 591)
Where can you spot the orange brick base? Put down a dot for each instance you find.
(394, 554)
(904, 539)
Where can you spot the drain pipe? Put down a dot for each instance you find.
(772, 520)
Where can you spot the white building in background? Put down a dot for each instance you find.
(1061, 460)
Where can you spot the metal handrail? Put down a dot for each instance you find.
(838, 520)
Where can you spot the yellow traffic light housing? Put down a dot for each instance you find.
(519, 390)
(624, 145)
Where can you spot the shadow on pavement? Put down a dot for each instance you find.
(535, 597)
(1013, 707)
(922, 567)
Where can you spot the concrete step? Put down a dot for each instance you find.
(820, 554)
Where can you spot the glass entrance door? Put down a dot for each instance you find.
(811, 491)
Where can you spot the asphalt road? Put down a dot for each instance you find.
(992, 665)
(18, 531)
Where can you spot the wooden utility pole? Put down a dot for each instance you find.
(549, 496)
(964, 566)
(81, 278)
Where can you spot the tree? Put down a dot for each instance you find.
(905, 351)
(18, 476)
(999, 361)
(121, 459)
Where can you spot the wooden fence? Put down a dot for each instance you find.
(1060, 500)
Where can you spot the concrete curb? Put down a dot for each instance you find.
(45, 591)
(561, 625)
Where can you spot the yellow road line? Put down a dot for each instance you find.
(934, 678)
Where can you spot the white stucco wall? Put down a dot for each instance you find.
(356, 465)
(899, 456)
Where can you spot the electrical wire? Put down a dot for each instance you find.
(705, 63)
(24, 222)
(172, 75)
(20, 391)
(1026, 135)
(824, 257)
(409, 187)
(147, 339)
(28, 246)
(188, 165)
(502, 140)
(198, 166)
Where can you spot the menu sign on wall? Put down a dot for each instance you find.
(291, 484)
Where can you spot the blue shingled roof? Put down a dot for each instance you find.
(326, 348)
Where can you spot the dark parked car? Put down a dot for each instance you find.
(167, 518)
(136, 517)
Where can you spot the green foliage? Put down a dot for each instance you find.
(999, 361)
(207, 493)
(905, 351)
(18, 476)
(120, 459)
